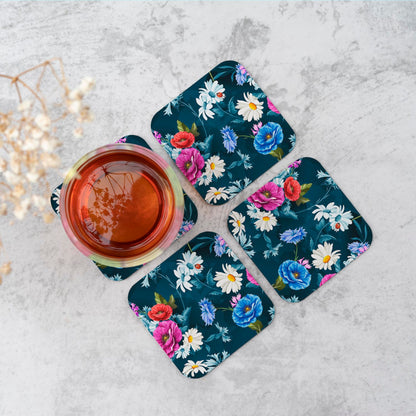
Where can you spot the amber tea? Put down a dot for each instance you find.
(122, 203)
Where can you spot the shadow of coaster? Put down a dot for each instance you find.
(223, 132)
(201, 305)
(189, 219)
(300, 229)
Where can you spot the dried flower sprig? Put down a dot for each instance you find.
(28, 137)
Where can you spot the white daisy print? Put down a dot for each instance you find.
(324, 257)
(183, 278)
(214, 166)
(182, 352)
(229, 280)
(237, 221)
(205, 179)
(192, 339)
(55, 197)
(251, 108)
(323, 211)
(204, 107)
(192, 262)
(191, 368)
(339, 219)
(252, 211)
(213, 91)
(215, 194)
(265, 221)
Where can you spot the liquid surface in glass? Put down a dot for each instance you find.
(121, 204)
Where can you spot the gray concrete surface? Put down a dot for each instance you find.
(343, 75)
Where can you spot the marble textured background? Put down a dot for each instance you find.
(343, 75)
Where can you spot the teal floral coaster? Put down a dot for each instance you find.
(223, 132)
(300, 229)
(201, 305)
(189, 219)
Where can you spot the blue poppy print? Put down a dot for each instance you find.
(223, 132)
(201, 305)
(300, 229)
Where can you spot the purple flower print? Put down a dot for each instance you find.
(268, 197)
(191, 163)
(272, 106)
(256, 127)
(234, 300)
(168, 335)
(326, 278)
(157, 136)
(135, 308)
(251, 279)
(295, 164)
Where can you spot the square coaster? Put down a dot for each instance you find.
(190, 216)
(300, 229)
(223, 132)
(201, 305)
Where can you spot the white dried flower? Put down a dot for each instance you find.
(39, 202)
(3, 209)
(78, 133)
(18, 191)
(5, 269)
(21, 209)
(3, 165)
(87, 84)
(12, 178)
(4, 122)
(14, 162)
(37, 133)
(74, 106)
(85, 115)
(11, 133)
(75, 94)
(43, 122)
(30, 144)
(33, 175)
(49, 144)
(24, 105)
(49, 160)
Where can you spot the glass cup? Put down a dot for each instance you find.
(121, 205)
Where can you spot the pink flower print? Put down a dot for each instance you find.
(191, 163)
(304, 262)
(256, 127)
(295, 164)
(234, 300)
(326, 278)
(168, 335)
(268, 197)
(251, 279)
(272, 107)
(157, 136)
(135, 308)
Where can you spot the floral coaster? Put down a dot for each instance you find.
(300, 229)
(190, 216)
(201, 305)
(223, 132)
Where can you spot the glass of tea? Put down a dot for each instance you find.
(121, 205)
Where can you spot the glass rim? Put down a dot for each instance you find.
(165, 240)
